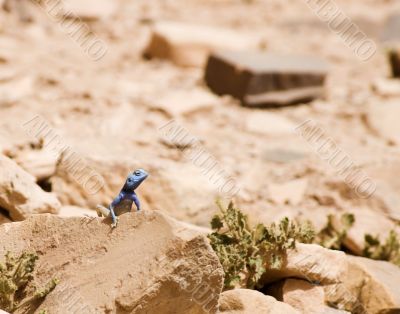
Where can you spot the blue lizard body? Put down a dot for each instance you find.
(123, 202)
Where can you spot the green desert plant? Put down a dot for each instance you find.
(331, 236)
(246, 253)
(15, 275)
(387, 251)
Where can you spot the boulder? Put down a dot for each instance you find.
(185, 102)
(310, 262)
(150, 263)
(387, 87)
(90, 9)
(302, 295)
(246, 301)
(188, 44)
(39, 163)
(19, 193)
(368, 286)
(381, 119)
(263, 79)
(366, 222)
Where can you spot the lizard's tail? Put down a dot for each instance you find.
(102, 211)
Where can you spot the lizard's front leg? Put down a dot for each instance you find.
(113, 217)
(136, 201)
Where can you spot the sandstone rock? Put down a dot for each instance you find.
(13, 91)
(148, 264)
(367, 222)
(261, 79)
(381, 119)
(386, 197)
(246, 301)
(39, 163)
(367, 287)
(291, 192)
(302, 295)
(90, 9)
(1, 311)
(387, 87)
(310, 262)
(75, 211)
(20, 195)
(186, 102)
(190, 44)
(268, 123)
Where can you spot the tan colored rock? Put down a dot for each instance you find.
(148, 264)
(246, 301)
(1, 311)
(367, 222)
(381, 119)
(186, 102)
(368, 286)
(302, 295)
(189, 44)
(39, 163)
(90, 9)
(387, 87)
(268, 123)
(291, 192)
(75, 211)
(13, 91)
(20, 195)
(310, 262)
(386, 195)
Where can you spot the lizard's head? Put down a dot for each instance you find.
(134, 179)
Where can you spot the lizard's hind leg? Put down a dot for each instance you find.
(102, 211)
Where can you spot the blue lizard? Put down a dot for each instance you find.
(123, 202)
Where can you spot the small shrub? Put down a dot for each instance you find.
(15, 275)
(246, 253)
(331, 237)
(388, 251)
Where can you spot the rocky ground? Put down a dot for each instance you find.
(73, 125)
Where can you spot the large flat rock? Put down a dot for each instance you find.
(310, 262)
(187, 44)
(368, 286)
(264, 79)
(149, 264)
